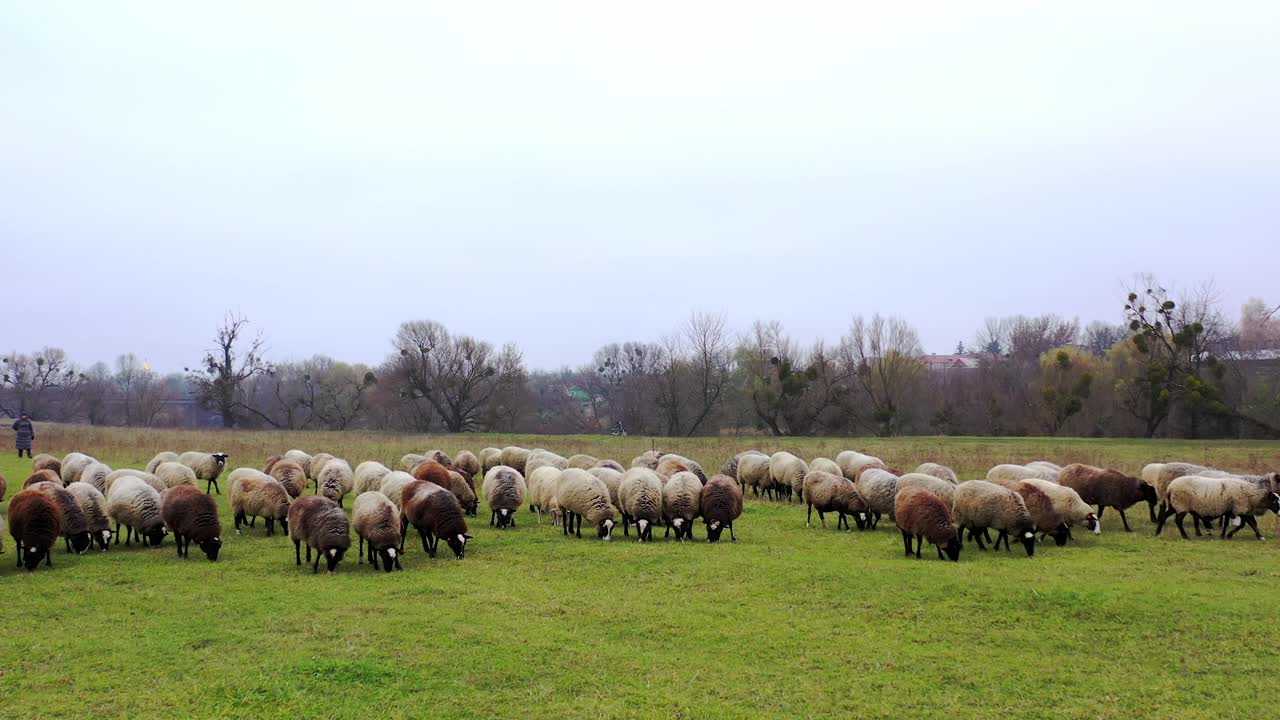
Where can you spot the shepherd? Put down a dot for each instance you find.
(24, 434)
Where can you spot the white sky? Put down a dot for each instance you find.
(566, 174)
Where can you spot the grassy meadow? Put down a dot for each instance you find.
(788, 622)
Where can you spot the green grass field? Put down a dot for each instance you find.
(787, 622)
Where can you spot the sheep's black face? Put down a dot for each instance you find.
(473, 508)
(80, 542)
(505, 518)
(388, 557)
(860, 519)
(211, 548)
(1092, 523)
(1148, 493)
(605, 531)
(103, 539)
(333, 556)
(1059, 535)
(284, 523)
(713, 531)
(221, 459)
(952, 549)
(1273, 503)
(155, 536)
(458, 544)
(32, 557)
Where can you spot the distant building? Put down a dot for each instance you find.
(943, 363)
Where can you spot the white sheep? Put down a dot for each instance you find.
(393, 485)
(303, 459)
(787, 472)
(74, 464)
(939, 471)
(681, 503)
(376, 520)
(489, 457)
(879, 488)
(207, 466)
(335, 480)
(612, 479)
(146, 477)
(1055, 509)
(582, 495)
(542, 491)
(832, 492)
(504, 491)
(753, 472)
(640, 499)
(162, 457)
(1215, 497)
(946, 491)
(825, 465)
(95, 474)
(368, 477)
(852, 463)
(979, 505)
(543, 458)
(172, 474)
(136, 505)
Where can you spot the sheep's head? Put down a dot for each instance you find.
(1060, 535)
(32, 557)
(862, 517)
(952, 548)
(506, 518)
(458, 544)
(154, 536)
(714, 529)
(1273, 503)
(605, 530)
(333, 556)
(1092, 522)
(211, 547)
(81, 542)
(1026, 532)
(103, 539)
(389, 557)
(220, 458)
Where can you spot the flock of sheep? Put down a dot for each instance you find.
(78, 498)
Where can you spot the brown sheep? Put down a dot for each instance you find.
(35, 524)
(75, 524)
(271, 462)
(41, 476)
(47, 462)
(921, 514)
(291, 475)
(450, 479)
(1108, 488)
(468, 464)
(721, 504)
(436, 513)
(321, 524)
(192, 515)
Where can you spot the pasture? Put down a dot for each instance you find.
(787, 622)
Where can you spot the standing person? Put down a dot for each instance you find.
(24, 433)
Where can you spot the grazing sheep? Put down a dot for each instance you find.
(192, 516)
(753, 472)
(489, 458)
(676, 462)
(207, 466)
(648, 459)
(1045, 465)
(582, 495)
(581, 461)
(439, 456)
(825, 465)
(980, 505)
(681, 502)
(720, 503)
(1213, 497)
(35, 524)
(1172, 471)
(142, 475)
(291, 475)
(468, 464)
(437, 514)
(393, 485)
(303, 460)
(94, 506)
(541, 486)
(368, 477)
(640, 500)
(504, 492)
(75, 526)
(945, 491)
(833, 492)
(74, 464)
(172, 474)
(136, 505)
(1108, 488)
(44, 461)
(1055, 509)
(95, 474)
(320, 523)
(787, 472)
(1008, 474)
(514, 458)
(377, 521)
(543, 458)
(612, 479)
(335, 480)
(271, 462)
(942, 472)
(254, 494)
(409, 462)
(878, 489)
(730, 466)
(852, 463)
(162, 457)
(607, 464)
(316, 465)
(1150, 472)
(450, 480)
(4, 488)
(40, 476)
(920, 514)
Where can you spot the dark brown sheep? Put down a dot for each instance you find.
(921, 514)
(41, 476)
(1108, 488)
(321, 524)
(35, 524)
(436, 513)
(75, 524)
(271, 462)
(449, 478)
(192, 515)
(721, 504)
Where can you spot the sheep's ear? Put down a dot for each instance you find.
(469, 537)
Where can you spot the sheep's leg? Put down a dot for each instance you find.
(808, 519)
(1178, 518)
(19, 554)
(823, 517)
(919, 545)
(732, 534)
(271, 527)
(986, 535)
(493, 518)
(315, 567)
(626, 526)
(1123, 519)
(578, 531)
(297, 552)
(906, 541)
(1252, 522)
(361, 562)
(977, 537)
(940, 555)
(842, 522)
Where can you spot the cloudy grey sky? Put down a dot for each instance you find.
(566, 174)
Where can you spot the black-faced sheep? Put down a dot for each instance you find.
(980, 505)
(35, 524)
(256, 494)
(640, 500)
(136, 505)
(192, 516)
(94, 506)
(207, 466)
(922, 515)
(437, 514)
(832, 492)
(582, 495)
(377, 521)
(681, 503)
(320, 523)
(75, 526)
(1108, 488)
(720, 504)
(504, 492)
(1210, 497)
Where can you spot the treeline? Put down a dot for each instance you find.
(1175, 367)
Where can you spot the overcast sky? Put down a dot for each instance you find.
(566, 174)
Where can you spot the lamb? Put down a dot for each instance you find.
(504, 492)
(94, 506)
(1108, 488)
(980, 505)
(582, 495)
(691, 465)
(335, 480)
(541, 487)
(832, 492)
(1055, 509)
(45, 461)
(162, 457)
(1214, 497)
(753, 472)
(411, 461)
(921, 514)
(514, 458)
(291, 475)
(192, 516)
(607, 464)
(75, 525)
(95, 474)
(640, 500)
(40, 476)
(74, 464)
(720, 503)
(301, 458)
(437, 514)
(825, 465)
(142, 475)
(172, 474)
(681, 502)
(271, 462)
(730, 466)
(612, 479)
(489, 458)
(941, 472)
(320, 523)
(255, 493)
(581, 461)
(136, 505)
(368, 477)
(787, 472)
(467, 463)
(207, 466)
(450, 480)
(543, 458)
(1008, 474)
(377, 521)
(648, 459)
(852, 463)
(393, 485)
(878, 489)
(35, 524)
(945, 491)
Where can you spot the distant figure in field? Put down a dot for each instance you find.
(24, 433)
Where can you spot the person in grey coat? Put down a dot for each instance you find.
(24, 433)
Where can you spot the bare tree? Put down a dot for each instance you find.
(1099, 337)
(884, 356)
(709, 360)
(227, 368)
(31, 377)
